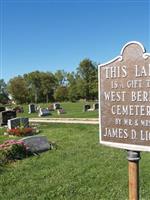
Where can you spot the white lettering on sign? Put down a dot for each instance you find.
(140, 96)
(116, 132)
(130, 110)
(114, 96)
(142, 71)
(116, 72)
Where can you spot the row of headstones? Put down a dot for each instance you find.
(8, 117)
(45, 111)
(35, 143)
(87, 107)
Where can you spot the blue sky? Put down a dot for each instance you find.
(52, 35)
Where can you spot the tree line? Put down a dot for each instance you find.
(38, 86)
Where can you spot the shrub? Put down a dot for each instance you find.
(20, 131)
(12, 150)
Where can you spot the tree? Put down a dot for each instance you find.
(73, 94)
(60, 76)
(61, 93)
(3, 92)
(48, 83)
(87, 79)
(34, 84)
(18, 89)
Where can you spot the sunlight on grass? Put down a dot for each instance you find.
(79, 168)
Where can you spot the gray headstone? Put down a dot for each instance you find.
(18, 122)
(36, 143)
(44, 112)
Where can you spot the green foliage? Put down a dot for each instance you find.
(9, 152)
(3, 92)
(39, 86)
(61, 93)
(48, 82)
(33, 82)
(18, 89)
(79, 169)
(87, 76)
(60, 76)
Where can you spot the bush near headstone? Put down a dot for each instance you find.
(12, 150)
(21, 131)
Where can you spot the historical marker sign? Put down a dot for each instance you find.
(124, 95)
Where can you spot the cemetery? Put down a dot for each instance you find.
(74, 100)
(65, 161)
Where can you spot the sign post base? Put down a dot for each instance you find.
(133, 171)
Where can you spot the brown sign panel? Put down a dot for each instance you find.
(124, 95)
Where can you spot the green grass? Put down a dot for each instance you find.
(74, 110)
(79, 169)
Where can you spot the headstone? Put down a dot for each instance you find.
(95, 106)
(56, 106)
(18, 122)
(86, 107)
(2, 108)
(32, 108)
(124, 87)
(36, 143)
(6, 115)
(44, 112)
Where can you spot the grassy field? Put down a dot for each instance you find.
(79, 169)
(72, 110)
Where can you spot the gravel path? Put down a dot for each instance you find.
(66, 120)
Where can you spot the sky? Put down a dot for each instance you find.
(51, 35)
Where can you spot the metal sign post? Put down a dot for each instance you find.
(133, 171)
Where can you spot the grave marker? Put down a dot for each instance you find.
(6, 115)
(18, 122)
(56, 106)
(86, 107)
(44, 112)
(32, 108)
(36, 143)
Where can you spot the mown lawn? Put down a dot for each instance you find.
(79, 169)
(74, 110)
